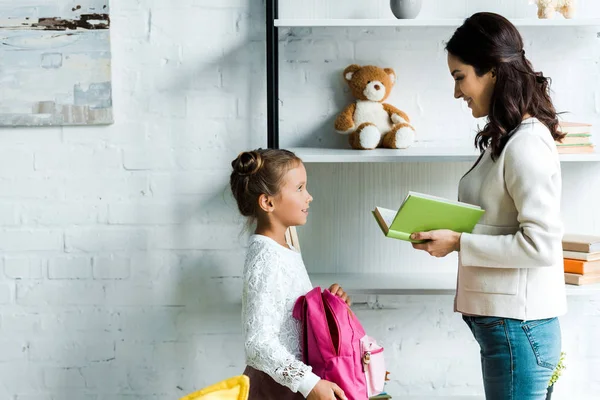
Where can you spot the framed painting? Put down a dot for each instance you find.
(55, 63)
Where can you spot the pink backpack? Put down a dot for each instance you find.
(334, 344)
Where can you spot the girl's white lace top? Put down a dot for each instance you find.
(274, 278)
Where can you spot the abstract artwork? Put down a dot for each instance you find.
(55, 63)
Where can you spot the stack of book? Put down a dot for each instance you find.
(578, 139)
(581, 258)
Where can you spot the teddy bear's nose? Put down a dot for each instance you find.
(377, 87)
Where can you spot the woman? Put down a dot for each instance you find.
(510, 286)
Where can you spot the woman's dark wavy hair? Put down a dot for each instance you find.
(486, 41)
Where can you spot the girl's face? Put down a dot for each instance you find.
(292, 203)
(475, 90)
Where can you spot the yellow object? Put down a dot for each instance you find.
(235, 388)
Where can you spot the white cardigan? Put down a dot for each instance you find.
(274, 278)
(511, 265)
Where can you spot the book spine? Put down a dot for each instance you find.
(573, 266)
(580, 247)
(399, 235)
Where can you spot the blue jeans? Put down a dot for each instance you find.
(517, 357)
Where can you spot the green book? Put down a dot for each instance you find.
(381, 396)
(421, 212)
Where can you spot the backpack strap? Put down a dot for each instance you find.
(319, 325)
(299, 313)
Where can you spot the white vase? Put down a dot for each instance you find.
(405, 9)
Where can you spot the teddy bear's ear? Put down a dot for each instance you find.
(391, 73)
(350, 70)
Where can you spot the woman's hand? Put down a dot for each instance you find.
(440, 243)
(325, 390)
(338, 291)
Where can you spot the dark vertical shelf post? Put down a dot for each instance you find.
(272, 76)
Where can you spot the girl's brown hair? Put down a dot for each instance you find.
(257, 172)
(486, 41)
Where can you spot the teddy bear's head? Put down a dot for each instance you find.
(370, 82)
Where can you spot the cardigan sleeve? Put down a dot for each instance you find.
(532, 179)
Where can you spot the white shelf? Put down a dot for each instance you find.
(412, 154)
(341, 22)
(412, 284)
(401, 283)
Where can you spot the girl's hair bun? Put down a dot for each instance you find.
(247, 163)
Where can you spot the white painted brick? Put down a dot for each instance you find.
(133, 396)
(207, 77)
(106, 187)
(182, 134)
(60, 293)
(13, 377)
(151, 323)
(103, 239)
(70, 353)
(6, 293)
(23, 267)
(137, 159)
(38, 396)
(13, 351)
(78, 158)
(130, 133)
(153, 55)
(212, 105)
(206, 159)
(305, 50)
(62, 213)
(31, 239)
(151, 213)
(172, 105)
(63, 322)
(31, 187)
(32, 137)
(184, 183)
(123, 293)
(98, 377)
(64, 378)
(223, 3)
(196, 237)
(156, 379)
(134, 353)
(19, 323)
(15, 161)
(111, 267)
(188, 24)
(133, 25)
(70, 268)
(9, 214)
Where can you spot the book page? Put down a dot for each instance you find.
(387, 215)
(430, 197)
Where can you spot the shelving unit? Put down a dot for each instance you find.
(393, 283)
(450, 22)
(412, 284)
(412, 154)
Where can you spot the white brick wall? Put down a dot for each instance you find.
(120, 247)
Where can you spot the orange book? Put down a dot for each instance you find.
(581, 267)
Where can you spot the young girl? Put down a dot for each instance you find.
(270, 189)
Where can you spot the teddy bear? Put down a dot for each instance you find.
(369, 122)
(547, 8)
